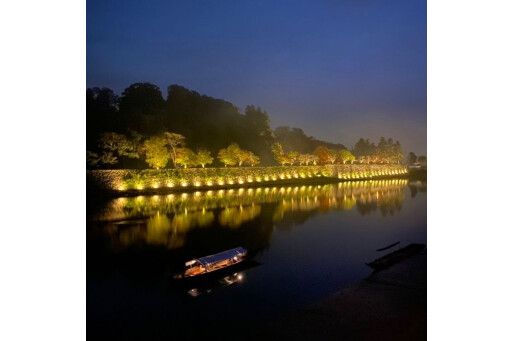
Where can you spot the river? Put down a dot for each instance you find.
(307, 242)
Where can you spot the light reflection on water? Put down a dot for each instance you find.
(310, 240)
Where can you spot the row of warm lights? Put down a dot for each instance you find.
(282, 176)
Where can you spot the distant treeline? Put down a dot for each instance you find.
(136, 129)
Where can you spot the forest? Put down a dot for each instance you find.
(141, 129)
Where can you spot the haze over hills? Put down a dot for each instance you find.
(206, 122)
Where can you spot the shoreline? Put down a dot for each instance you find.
(388, 305)
(266, 184)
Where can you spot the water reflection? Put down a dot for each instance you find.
(340, 196)
(173, 220)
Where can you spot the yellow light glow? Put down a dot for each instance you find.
(197, 183)
(209, 183)
(184, 184)
(121, 188)
(155, 185)
(266, 178)
(140, 187)
(170, 184)
(230, 182)
(258, 179)
(221, 182)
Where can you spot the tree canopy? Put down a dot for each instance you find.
(119, 128)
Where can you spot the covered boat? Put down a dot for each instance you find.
(214, 262)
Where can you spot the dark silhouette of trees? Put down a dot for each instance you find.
(117, 128)
(294, 139)
(412, 158)
(423, 161)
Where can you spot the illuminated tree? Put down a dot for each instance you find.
(303, 159)
(345, 155)
(292, 157)
(323, 154)
(92, 159)
(108, 158)
(227, 157)
(277, 151)
(118, 144)
(174, 141)
(332, 155)
(157, 154)
(241, 156)
(186, 157)
(315, 159)
(203, 157)
(253, 159)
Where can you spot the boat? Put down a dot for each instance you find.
(396, 256)
(215, 262)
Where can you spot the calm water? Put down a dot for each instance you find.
(309, 242)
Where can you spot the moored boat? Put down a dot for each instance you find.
(215, 262)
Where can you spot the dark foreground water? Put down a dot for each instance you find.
(308, 242)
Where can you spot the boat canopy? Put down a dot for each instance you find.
(225, 255)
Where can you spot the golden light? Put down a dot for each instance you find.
(249, 179)
(258, 179)
(240, 181)
(121, 188)
(170, 184)
(209, 183)
(184, 184)
(155, 185)
(221, 182)
(140, 187)
(197, 183)
(266, 178)
(230, 182)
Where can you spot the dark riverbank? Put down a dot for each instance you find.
(388, 305)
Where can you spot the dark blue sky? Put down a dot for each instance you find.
(340, 70)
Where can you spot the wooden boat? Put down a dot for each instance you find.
(211, 263)
(396, 256)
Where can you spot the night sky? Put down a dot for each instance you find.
(339, 70)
